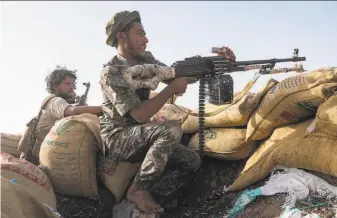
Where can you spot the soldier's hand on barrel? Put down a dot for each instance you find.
(227, 53)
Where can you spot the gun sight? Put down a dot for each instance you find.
(86, 84)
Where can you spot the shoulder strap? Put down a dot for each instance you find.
(27, 142)
(44, 103)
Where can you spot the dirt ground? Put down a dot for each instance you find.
(208, 201)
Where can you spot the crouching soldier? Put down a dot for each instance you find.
(61, 85)
(125, 130)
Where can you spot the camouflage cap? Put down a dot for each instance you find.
(117, 23)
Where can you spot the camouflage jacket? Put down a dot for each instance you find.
(119, 97)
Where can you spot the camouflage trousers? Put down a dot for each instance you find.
(156, 145)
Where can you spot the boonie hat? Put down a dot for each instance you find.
(119, 21)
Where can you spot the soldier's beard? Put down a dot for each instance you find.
(71, 100)
(68, 97)
(132, 51)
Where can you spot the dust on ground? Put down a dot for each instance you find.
(204, 200)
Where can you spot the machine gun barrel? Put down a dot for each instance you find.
(198, 66)
(223, 66)
(266, 61)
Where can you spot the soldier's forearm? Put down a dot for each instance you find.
(76, 110)
(146, 109)
(88, 109)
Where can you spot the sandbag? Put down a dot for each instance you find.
(224, 143)
(69, 155)
(169, 101)
(326, 118)
(171, 112)
(19, 202)
(116, 178)
(9, 143)
(235, 115)
(29, 176)
(236, 94)
(311, 145)
(293, 99)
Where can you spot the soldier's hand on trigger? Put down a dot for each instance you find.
(227, 52)
(179, 85)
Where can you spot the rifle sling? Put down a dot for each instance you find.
(32, 140)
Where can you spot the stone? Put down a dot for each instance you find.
(127, 209)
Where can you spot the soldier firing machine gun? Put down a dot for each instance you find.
(215, 83)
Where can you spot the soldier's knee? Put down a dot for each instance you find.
(173, 129)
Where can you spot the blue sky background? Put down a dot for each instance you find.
(37, 36)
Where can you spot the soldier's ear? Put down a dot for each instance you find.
(56, 88)
(121, 36)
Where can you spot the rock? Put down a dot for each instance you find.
(127, 209)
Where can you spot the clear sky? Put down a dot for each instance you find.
(37, 36)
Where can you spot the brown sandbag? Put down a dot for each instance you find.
(310, 145)
(18, 201)
(9, 143)
(236, 94)
(235, 115)
(171, 112)
(69, 155)
(116, 178)
(30, 176)
(326, 118)
(224, 143)
(293, 99)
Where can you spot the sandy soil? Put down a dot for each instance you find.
(203, 199)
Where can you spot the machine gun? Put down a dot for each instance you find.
(83, 98)
(215, 83)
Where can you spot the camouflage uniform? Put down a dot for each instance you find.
(156, 144)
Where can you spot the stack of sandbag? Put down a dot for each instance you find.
(224, 143)
(9, 143)
(29, 176)
(68, 154)
(225, 134)
(20, 202)
(293, 99)
(310, 144)
(235, 115)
